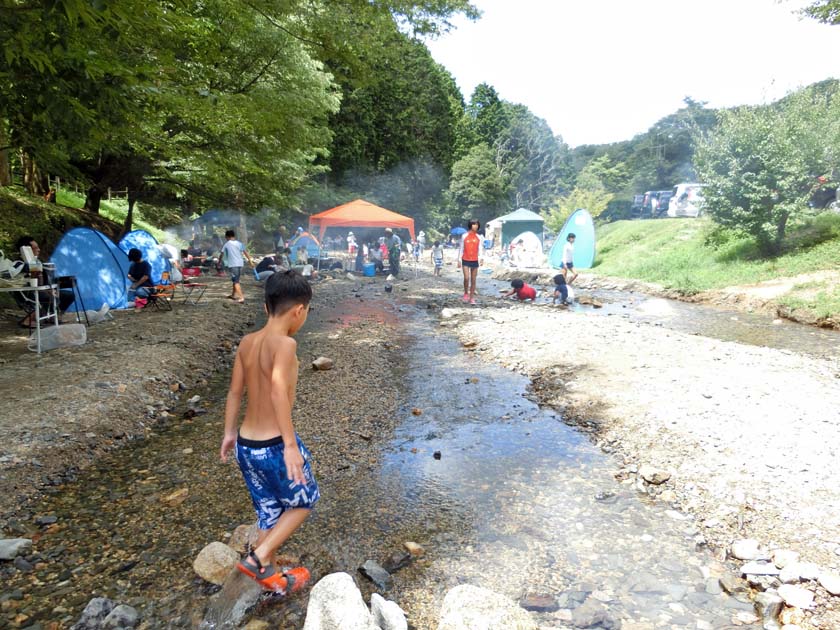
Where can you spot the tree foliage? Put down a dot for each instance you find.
(762, 164)
(827, 11)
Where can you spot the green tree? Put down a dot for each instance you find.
(477, 189)
(761, 165)
(595, 201)
(488, 114)
(827, 11)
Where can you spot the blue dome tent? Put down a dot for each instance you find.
(580, 223)
(100, 268)
(305, 239)
(147, 244)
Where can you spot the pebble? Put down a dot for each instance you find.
(322, 364)
(215, 562)
(10, 548)
(830, 582)
(783, 557)
(745, 549)
(539, 603)
(413, 548)
(653, 475)
(376, 574)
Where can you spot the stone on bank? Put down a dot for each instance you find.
(468, 607)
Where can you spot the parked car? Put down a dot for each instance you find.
(686, 201)
(654, 204)
(663, 200)
(637, 206)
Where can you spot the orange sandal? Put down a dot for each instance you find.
(290, 581)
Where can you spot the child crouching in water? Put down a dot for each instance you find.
(522, 290)
(272, 458)
(561, 291)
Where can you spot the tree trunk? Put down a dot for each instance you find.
(34, 181)
(92, 199)
(5, 163)
(781, 226)
(129, 218)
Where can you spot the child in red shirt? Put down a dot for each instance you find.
(523, 291)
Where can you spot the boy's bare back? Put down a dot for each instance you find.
(268, 366)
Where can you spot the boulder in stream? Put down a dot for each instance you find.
(11, 548)
(215, 562)
(468, 607)
(335, 603)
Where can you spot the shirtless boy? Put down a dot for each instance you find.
(272, 458)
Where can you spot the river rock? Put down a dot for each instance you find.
(376, 574)
(244, 537)
(11, 548)
(759, 568)
(447, 313)
(593, 614)
(791, 616)
(736, 587)
(796, 596)
(655, 476)
(830, 582)
(745, 549)
(215, 562)
(94, 614)
(767, 606)
(468, 607)
(414, 549)
(322, 364)
(783, 557)
(257, 624)
(396, 561)
(121, 617)
(387, 614)
(335, 603)
(799, 571)
(539, 603)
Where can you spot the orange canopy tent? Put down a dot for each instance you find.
(359, 213)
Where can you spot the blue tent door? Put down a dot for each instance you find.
(99, 266)
(580, 224)
(147, 244)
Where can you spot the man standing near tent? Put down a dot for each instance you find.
(234, 254)
(394, 249)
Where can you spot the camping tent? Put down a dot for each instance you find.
(529, 253)
(359, 213)
(580, 224)
(147, 244)
(100, 268)
(313, 247)
(515, 223)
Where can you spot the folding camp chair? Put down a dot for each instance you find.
(161, 295)
(193, 291)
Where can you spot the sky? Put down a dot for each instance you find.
(603, 71)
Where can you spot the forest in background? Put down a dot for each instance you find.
(292, 106)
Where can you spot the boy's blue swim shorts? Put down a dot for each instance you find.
(264, 470)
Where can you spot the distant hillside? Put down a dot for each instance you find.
(22, 215)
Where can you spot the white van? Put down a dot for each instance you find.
(687, 201)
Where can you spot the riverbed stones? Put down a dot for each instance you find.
(244, 537)
(396, 560)
(375, 573)
(796, 596)
(94, 614)
(539, 603)
(652, 475)
(593, 614)
(215, 562)
(387, 614)
(322, 364)
(800, 571)
(120, 618)
(468, 607)
(783, 557)
(758, 567)
(413, 548)
(11, 548)
(335, 603)
(745, 549)
(738, 588)
(767, 607)
(830, 582)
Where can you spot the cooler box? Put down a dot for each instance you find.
(369, 270)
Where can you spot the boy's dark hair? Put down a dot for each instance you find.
(571, 235)
(437, 243)
(284, 290)
(470, 223)
(559, 279)
(517, 283)
(135, 255)
(230, 234)
(23, 241)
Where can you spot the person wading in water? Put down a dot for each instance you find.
(468, 258)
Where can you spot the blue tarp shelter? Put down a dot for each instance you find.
(147, 244)
(305, 239)
(100, 267)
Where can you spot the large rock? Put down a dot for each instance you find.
(830, 582)
(653, 475)
(784, 557)
(335, 603)
(796, 596)
(11, 548)
(468, 607)
(745, 549)
(120, 618)
(387, 614)
(767, 607)
(244, 537)
(94, 614)
(376, 574)
(215, 562)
